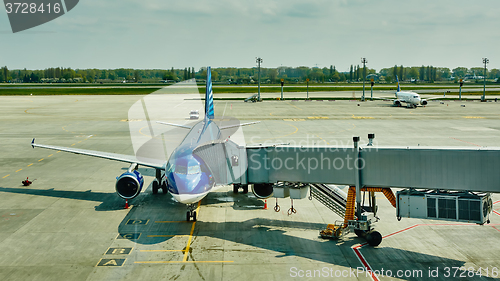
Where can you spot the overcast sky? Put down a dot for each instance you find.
(231, 33)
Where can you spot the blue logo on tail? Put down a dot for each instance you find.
(209, 96)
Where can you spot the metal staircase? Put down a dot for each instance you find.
(330, 196)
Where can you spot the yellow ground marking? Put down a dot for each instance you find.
(294, 106)
(317, 117)
(19, 170)
(166, 235)
(140, 132)
(73, 144)
(163, 250)
(169, 221)
(79, 141)
(40, 160)
(50, 155)
(474, 117)
(58, 151)
(294, 119)
(322, 139)
(296, 130)
(362, 117)
(29, 165)
(5, 176)
(181, 261)
(191, 235)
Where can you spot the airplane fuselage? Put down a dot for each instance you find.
(412, 99)
(188, 178)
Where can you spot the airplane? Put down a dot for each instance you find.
(186, 175)
(411, 99)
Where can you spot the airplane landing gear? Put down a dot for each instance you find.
(237, 186)
(164, 186)
(155, 186)
(191, 213)
(157, 181)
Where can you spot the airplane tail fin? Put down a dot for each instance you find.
(209, 97)
(397, 79)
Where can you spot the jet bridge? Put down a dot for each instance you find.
(454, 182)
(443, 168)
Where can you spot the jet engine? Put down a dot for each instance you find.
(129, 184)
(262, 190)
(397, 103)
(423, 102)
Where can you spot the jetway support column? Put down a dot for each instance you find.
(356, 176)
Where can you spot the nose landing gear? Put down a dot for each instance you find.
(191, 213)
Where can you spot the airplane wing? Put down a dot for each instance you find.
(260, 145)
(172, 124)
(106, 155)
(379, 98)
(433, 98)
(238, 125)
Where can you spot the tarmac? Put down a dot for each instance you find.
(70, 224)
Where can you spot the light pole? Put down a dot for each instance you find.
(460, 91)
(282, 82)
(371, 93)
(259, 61)
(485, 61)
(364, 61)
(307, 81)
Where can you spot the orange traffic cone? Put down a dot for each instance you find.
(265, 204)
(126, 204)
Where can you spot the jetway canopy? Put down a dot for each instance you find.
(473, 169)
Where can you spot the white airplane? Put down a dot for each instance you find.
(411, 99)
(186, 175)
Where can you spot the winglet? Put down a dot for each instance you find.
(209, 97)
(33, 143)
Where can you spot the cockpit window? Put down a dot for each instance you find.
(181, 169)
(194, 170)
(170, 168)
(415, 97)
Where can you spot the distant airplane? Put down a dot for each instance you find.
(186, 175)
(411, 99)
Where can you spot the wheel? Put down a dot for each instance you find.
(245, 188)
(188, 216)
(236, 187)
(360, 233)
(155, 187)
(164, 187)
(374, 238)
(194, 215)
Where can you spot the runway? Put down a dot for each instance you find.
(70, 225)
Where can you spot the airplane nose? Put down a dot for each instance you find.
(189, 184)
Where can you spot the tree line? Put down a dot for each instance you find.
(233, 75)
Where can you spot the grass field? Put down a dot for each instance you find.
(80, 91)
(217, 90)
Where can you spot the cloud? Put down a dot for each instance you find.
(289, 32)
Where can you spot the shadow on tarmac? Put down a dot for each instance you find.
(158, 218)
